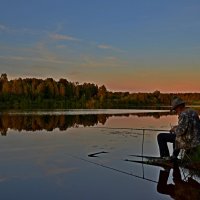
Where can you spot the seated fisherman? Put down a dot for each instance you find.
(183, 136)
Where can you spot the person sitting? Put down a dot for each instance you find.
(185, 135)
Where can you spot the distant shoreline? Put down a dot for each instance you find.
(32, 93)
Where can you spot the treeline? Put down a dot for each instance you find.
(48, 93)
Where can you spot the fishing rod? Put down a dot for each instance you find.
(143, 134)
(112, 168)
(115, 169)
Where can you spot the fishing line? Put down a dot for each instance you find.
(115, 169)
(122, 128)
(112, 168)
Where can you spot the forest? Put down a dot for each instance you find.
(33, 93)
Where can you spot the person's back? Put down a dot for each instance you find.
(188, 130)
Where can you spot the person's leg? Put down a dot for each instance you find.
(163, 139)
(176, 152)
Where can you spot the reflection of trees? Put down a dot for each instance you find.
(34, 122)
(47, 122)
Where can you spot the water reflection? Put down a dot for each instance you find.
(181, 189)
(47, 122)
(85, 163)
(183, 185)
(35, 122)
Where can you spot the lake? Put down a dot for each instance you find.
(80, 154)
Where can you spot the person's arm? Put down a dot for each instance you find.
(173, 129)
(182, 125)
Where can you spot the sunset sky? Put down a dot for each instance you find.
(127, 45)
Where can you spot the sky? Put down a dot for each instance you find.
(126, 45)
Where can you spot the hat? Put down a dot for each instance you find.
(177, 102)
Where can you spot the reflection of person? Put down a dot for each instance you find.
(183, 136)
(180, 190)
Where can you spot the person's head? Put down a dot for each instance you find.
(178, 105)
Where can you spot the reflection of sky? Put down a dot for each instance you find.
(142, 122)
(86, 112)
(49, 164)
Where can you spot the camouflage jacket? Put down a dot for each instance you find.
(188, 129)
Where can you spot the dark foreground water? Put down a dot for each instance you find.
(80, 155)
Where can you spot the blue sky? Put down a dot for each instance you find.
(126, 45)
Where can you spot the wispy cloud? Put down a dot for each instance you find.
(50, 34)
(109, 47)
(51, 54)
(104, 62)
(21, 31)
(3, 27)
(48, 59)
(104, 46)
(3, 179)
(56, 36)
(33, 59)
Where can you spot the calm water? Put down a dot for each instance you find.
(44, 155)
